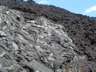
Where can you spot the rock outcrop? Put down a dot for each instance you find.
(33, 46)
(80, 28)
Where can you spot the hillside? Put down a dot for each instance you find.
(81, 29)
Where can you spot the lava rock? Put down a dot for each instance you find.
(35, 45)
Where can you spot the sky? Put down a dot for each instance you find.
(84, 7)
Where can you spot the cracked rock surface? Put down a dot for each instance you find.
(33, 46)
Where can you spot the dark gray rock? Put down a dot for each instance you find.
(30, 0)
(33, 46)
(16, 0)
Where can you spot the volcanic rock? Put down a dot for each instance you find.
(35, 45)
(80, 28)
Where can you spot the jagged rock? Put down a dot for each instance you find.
(35, 45)
(80, 28)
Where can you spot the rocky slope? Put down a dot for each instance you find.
(81, 29)
(35, 45)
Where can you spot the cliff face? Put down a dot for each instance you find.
(81, 29)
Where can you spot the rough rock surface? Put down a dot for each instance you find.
(34, 46)
(81, 29)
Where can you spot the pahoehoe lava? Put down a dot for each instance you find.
(81, 29)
